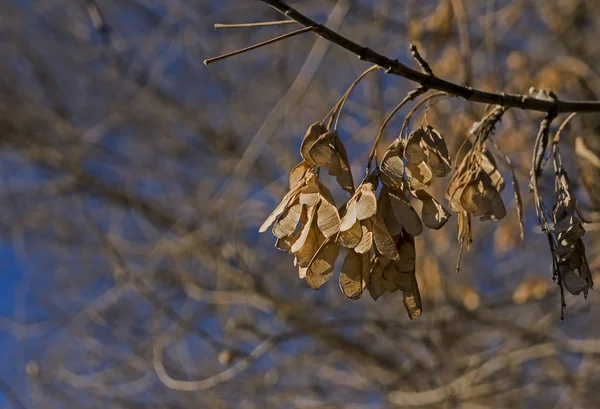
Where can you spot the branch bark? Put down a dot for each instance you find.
(395, 67)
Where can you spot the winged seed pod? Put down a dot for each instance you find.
(321, 147)
(433, 214)
(475, 187)
(391, 170)
(354, 274)
(427, 156)
(399, 214)
(390, 275)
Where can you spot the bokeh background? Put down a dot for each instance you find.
(134, 179)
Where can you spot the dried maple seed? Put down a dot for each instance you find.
(298, 173)
(413, 149)
(438, 159)
(404, 213)
(392, 165)
(311, 136)
(351, 237)
(351, 276)
(321, 267)
(366, 241)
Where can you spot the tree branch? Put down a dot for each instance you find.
(431, 81)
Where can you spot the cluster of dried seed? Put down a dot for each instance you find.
(571, 266)
(475, 187)
(377, 230)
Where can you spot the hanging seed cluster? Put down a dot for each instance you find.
(374, 230)
(571, 270)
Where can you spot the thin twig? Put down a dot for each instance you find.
(260, 24)
(409, 97)
(422, 63)
(395, 67)
(255, 46)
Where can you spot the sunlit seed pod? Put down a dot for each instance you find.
(366, 241)
(311, 136)
(313, 243)
(405, 214)
(492, 196)
(384, 210)
(413, 150)
(306, 230)
(406, 253)
(472, 199)
(392, 165)
(412, 303)
(298, 173)
(320, 269)
(287, 223)
(349, 217)
(285, 243)
(383, 241)
(419, 176)
(488, 165)
(281, 207)
(328, 219)
(376, 285)
(433, 214)
(438, 159)
(344, 177)
(366, 204)
(310, 194)
(351, 237)
(351, 276)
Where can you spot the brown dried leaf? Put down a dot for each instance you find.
(321, 267)
(311, 136)
(405, 214)
(351, 237)
(383, 241)
(433, 214)
(366, 241)
(366, 204)
(351, 276)
(286, 225)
